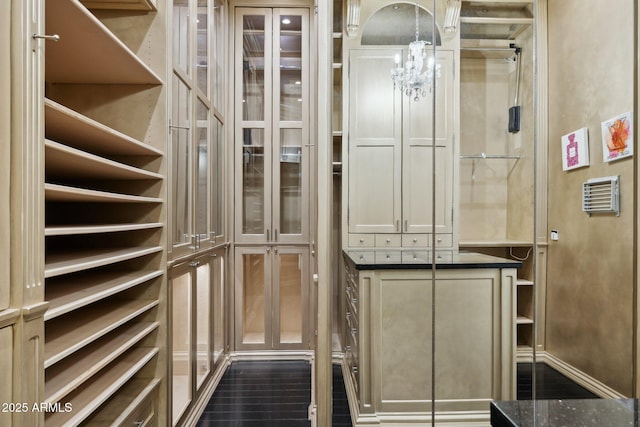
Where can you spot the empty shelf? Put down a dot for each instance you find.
(65, 336)
(133, 394)
(68, 294)
(101, 387)
(64, 377)
(70, 230)
(148, 5)
(57, 264)
(63, 193)
(521, 320)
(65, 162)
(72, 128)
(88, 52)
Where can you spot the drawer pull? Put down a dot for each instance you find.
(388, 240)
(439, 239)
(415, 240)
(354, 369)
(361, 240)
(348, 314)
(354, 331)
(348, 348)
(354, 300)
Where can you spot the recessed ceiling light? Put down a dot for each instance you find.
(286, 21)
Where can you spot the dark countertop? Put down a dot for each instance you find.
(566, 413)
(407, 259)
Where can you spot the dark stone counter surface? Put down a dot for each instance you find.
(396, 259)
(566, 413)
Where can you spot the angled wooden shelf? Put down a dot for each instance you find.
(63, 193)
(88, 52)
(57, 264)
(101, 387)
(68, 294)
(65, 336)
(71, 230)
(69, 374)
(63, 161)
(132, 395)
(72, 128)
(146, 5)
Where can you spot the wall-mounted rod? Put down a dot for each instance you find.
(489, 156)
(497, 49)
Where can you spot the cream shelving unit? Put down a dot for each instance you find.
(104, 351)
(520, 250)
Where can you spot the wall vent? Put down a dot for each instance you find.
(601, 195)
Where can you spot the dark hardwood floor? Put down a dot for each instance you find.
(278, 393)
(550, 384)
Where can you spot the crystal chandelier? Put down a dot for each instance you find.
(416, 76)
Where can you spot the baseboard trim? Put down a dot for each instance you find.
(272, 355)
(593, 385)
(198, 407)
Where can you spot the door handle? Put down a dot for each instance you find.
(275, 235)
(268, 235)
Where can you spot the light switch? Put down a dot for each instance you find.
(555, 235)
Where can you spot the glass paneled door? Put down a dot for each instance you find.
(272, 304)
(272, 125)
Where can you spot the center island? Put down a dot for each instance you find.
(390, 343)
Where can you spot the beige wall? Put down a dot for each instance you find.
(496, 195)
(590, 269)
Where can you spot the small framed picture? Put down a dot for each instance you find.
(575, 149)
(617, 137)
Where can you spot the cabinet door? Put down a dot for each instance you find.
(291, 126)
(203, 317)
(219, 304)
(181, 280)
(272, 142)
(375, 149)
(418, 153)
(291, 311)
(272, 298)
(253, 129)
(253, 298)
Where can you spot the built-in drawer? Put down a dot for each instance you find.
(363, 256)
(444, 256)
(361, 240)
(388, 240)
(415, 240)
(444, 240)
(415, 257)
(388, 257)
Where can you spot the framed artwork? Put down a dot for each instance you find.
(617, 137)
(575, 149)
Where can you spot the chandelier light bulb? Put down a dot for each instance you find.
(412, 79)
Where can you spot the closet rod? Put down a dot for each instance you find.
(489, 156)
(497, 49)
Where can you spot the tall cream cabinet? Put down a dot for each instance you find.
(390, 153)
(272, 179)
